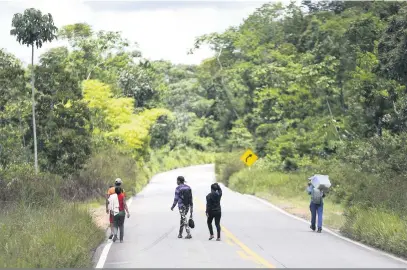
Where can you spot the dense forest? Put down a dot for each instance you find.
(311, 88)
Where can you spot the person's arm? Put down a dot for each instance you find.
(107, 202)
(126, 208)
(192, 203)
(219, 191)
(176, 198)
(309, 188)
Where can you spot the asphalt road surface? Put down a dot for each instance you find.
(254, 234)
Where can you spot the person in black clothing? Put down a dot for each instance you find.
(213, 209)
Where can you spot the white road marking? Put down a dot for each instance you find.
(105, 252)
(327, 230)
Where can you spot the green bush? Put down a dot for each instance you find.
(58, 236)
(20, 184)
(100, 172)
(227, 164)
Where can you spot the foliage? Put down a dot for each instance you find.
(101, 55)
(33, 28)
(378, 228)
(108, 113)
(311, 88)
(134, 136)
(14, 110)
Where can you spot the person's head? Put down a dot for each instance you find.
(118, 182)
(180, 180)
(118, 190)
(214, 187)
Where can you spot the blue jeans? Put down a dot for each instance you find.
(316, 209)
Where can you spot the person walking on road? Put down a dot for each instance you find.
(112, 190)
(316, 205)
(118, 208)
(183, 196)
(213, 209)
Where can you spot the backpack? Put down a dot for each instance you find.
(186, 196)
(316, 196)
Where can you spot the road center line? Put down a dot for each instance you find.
(245, 248)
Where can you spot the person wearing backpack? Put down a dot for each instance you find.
(316, 205)
(183, 196)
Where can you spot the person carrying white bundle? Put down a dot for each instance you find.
(317, 186)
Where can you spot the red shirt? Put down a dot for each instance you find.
(121, 201)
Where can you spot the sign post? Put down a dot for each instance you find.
(249, 158)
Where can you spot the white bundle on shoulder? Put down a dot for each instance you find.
(114, 204)
(320, 181)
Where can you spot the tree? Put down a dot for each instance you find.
(63, 126)
(33, 28)
(14, 108)
(392, 48)
(98, 55)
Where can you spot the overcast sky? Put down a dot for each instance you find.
(163, 29)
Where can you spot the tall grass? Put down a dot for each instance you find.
(377, 227)
(58, 236)
(276, 183)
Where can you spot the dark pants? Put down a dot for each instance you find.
(119, 224)
(316, 209)
(216, 216)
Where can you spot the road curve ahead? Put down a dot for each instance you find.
(254, 235)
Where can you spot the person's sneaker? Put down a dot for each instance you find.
(114, 238)
(312, 228)
(188, 236)
(121, 241)
(111, 236)
(179, 235)
(319, 230)
(217, 239)
(211, 237)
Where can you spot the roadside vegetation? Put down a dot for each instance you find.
(316, 88)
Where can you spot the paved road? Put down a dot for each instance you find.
(254, 234)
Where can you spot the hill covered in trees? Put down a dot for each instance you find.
(311, 88)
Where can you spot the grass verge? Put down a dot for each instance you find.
(355, 217)
(286, 191)
(60, 236)
(379, 228)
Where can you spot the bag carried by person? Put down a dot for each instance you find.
(191, 223)
(186, 196)
(316, 196)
